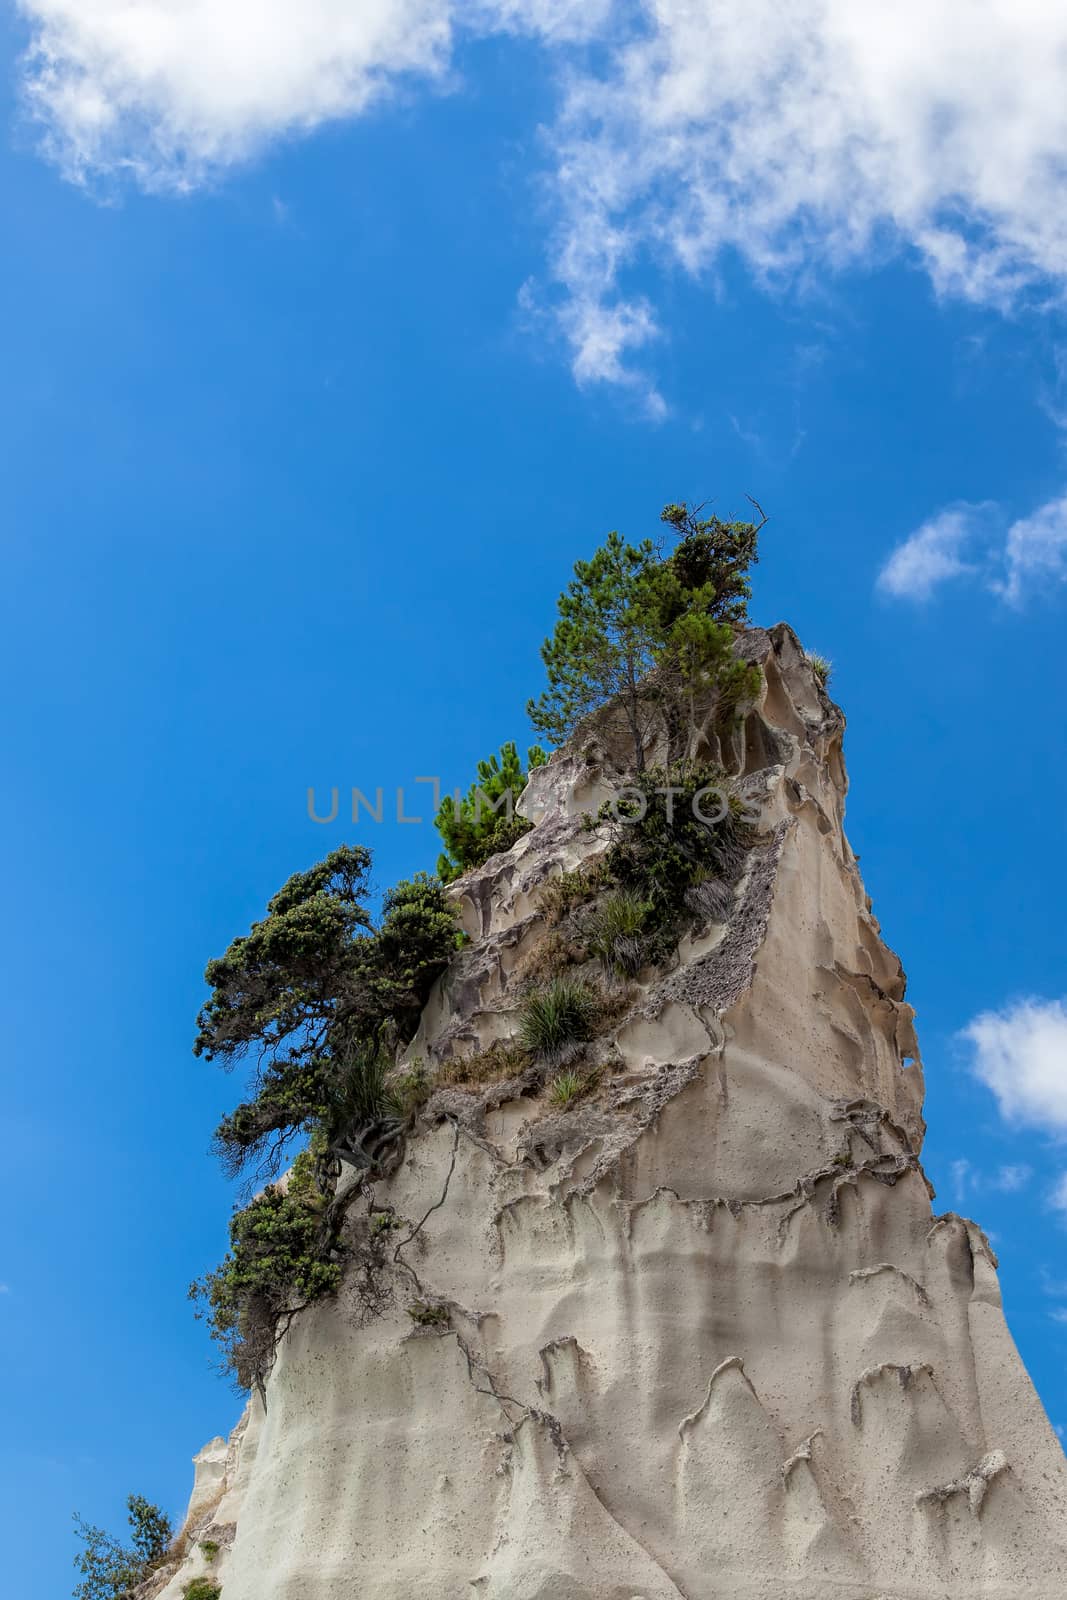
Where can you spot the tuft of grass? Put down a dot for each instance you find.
(822, 668)
(555, 1020)
(558, 897)
(504, 1058)
(411, 1090)
(614, 932)
(711, 898)
(566, 1088)
(209, 1549)
(202, 1589)
(428, 1314)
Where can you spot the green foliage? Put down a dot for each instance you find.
(356, 1094)
(558, 897)
(555, 1020)
(822, 668)
(566, 1088)
(280, 1260)
(209, 1549)
(202, 1589)
(485, 821)
(110, 1570)
(647, 637)
(411, 1089)
(312, 989)
(613, 931)
(716, 555)
(417, 938)
(662, 851)
(278, 988)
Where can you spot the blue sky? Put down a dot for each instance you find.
(330, 342)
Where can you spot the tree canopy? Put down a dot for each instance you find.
(485, 820)
(110, 1570)
(311, 987)
(644, 634)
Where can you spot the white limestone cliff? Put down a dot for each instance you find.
(702, 1336)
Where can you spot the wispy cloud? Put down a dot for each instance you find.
(931, 555)
(962, 1180)
(1012, 560)
(1036, 552)
(799, 137)
(1020, 1053)
(1058, 1195)
(1012, 1178)
(968, 1179)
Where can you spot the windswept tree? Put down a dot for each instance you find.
(646, 636)
(313, 989)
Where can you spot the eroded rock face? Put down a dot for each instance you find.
(702, 1336)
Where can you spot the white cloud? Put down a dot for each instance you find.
(1036, 552)
(1059, 1314)
(169, 91)
(1027, 558)
(1021, 1054)
(813, 135)
(962, 1179)
(1013, 1178)
(805, 136)
(931, 555)
(1058, 1196)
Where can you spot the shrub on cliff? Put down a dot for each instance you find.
(646, 636)
(313, 985)
(672, 834)
(110, 1570)
(281, 1259)
(485, 821)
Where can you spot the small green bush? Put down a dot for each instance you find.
(566, 1088)
(209, 1549)
(822, 668)
(662, 850)
(555, 1020)
(202, 1589)
(281, 1259)
(613, 931)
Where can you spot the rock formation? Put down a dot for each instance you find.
(698, 1337)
